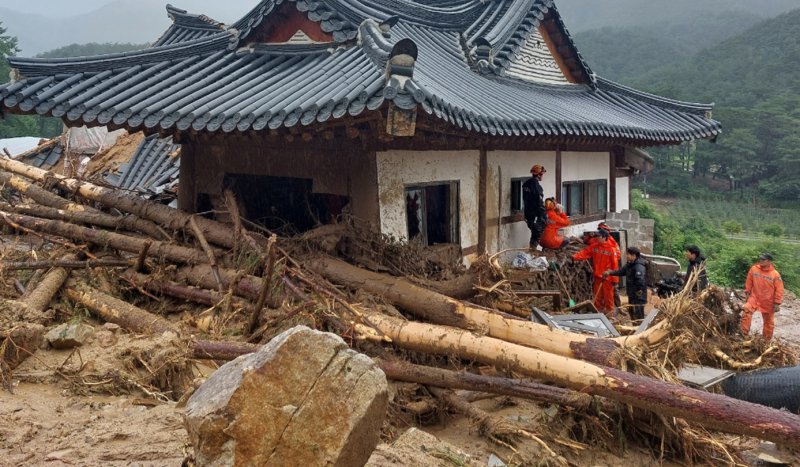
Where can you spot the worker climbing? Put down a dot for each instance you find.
(605, 257)
(764, 289)
(533, 199)
(635, 272)
(556, 220)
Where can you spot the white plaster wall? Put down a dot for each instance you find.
(398, 169)
(623, 193)
(513, 164)
(577, 166)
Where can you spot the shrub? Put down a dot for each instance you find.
(732, 227)
(774, 230)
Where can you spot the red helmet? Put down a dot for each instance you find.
(538, 169)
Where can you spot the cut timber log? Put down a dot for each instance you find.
(440, 309)
(173, 219)
(53, 206)
(710, 410)
(114, 310)
(105, 238)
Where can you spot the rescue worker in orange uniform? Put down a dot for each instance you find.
(556, 219)
(605, 257)
(604, 226)
(764, 289)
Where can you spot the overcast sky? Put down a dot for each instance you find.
(223, 10)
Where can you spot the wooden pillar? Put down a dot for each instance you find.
(483, 186)
(558, 174)
(187, 188)
(612, 177)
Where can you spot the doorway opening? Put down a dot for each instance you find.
(284, 204)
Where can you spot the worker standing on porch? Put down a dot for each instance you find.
(764, 289)
(605, 257)
(533, 199)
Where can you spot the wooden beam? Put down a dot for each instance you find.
(483, 186)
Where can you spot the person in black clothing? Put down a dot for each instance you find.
(635, 272)
(533, 199)
(696, 261)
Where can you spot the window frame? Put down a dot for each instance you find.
(454, 202)
(589, 195)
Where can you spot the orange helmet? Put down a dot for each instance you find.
(538, 169)
(604, 226)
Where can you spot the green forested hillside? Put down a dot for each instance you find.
(754, 79)
(622, 53)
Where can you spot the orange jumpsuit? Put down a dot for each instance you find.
(550, 237)
(764, 287)
(605, 257)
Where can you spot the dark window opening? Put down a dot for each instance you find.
(284, 204)
(432, 213)
(517, 202)
(585, 198)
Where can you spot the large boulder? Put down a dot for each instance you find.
(303, 399)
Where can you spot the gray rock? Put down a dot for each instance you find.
(303, 399)
(69, 335)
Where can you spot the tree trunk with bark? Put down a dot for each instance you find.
(177, 253)
(172, 289)
(202, 275)
(407, 372)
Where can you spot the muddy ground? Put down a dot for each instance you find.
(49, 420)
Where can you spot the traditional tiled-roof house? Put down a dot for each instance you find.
(422, 118)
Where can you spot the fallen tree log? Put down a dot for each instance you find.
(164, 287)
(173, 219)
(440, 309)
(158, 249)
(56, 207)
(39, 299)
(407, 372)
(114, 310)
(202, 275)
(66, 264)
(707, 409)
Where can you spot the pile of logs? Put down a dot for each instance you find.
(159, 251)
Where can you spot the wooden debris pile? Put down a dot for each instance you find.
(217, 290)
